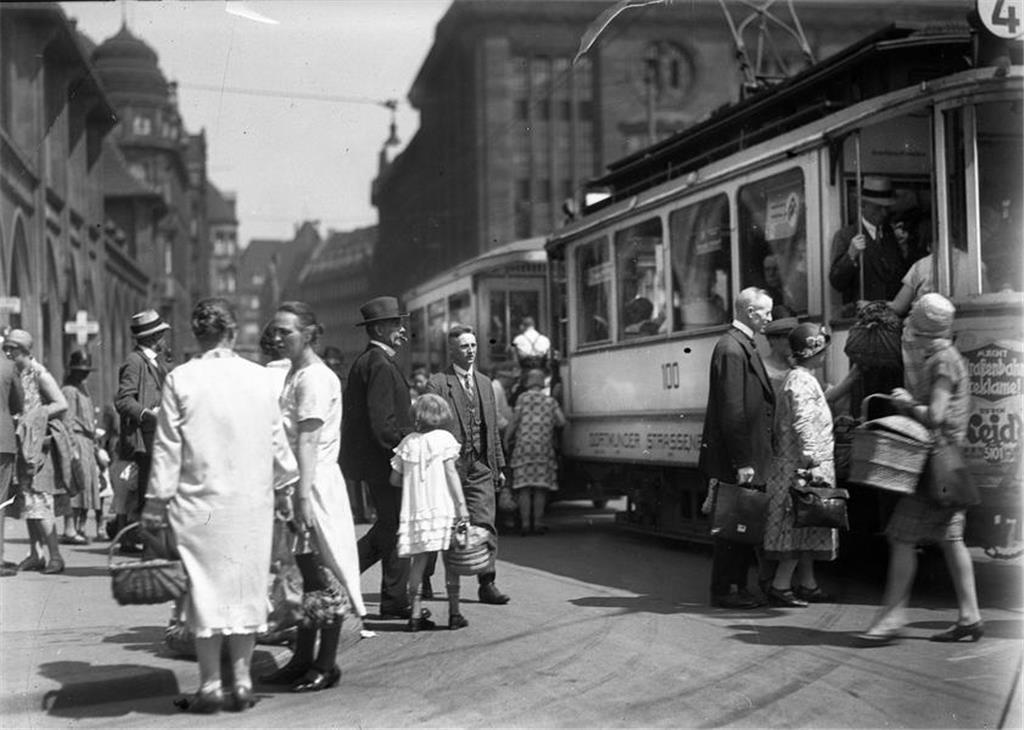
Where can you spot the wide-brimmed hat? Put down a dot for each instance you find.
(80, 360)
(380, 309)
(932, 316)
(808, 339)
(877, 190)
(19, 338)
(781, 327)
(147, 322)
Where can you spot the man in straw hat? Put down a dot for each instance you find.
(375, 418)
(140, 387)
(870, 243)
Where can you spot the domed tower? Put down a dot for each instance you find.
(151, 136)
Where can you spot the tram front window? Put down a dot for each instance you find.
(593, 291)
(641, 276)
(701, 290)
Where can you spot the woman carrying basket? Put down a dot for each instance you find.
(219, 452)
(937, 395)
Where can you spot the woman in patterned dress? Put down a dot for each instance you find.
(311, 406)
(38, 490)
(81, 421)
(531, 441)
(802, 440)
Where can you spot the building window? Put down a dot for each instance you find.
(141, 126)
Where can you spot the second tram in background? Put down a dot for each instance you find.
(752, 197)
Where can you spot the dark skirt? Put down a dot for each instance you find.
(918, 520)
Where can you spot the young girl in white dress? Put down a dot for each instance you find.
(432, 502)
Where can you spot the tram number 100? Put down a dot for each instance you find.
(670, 375)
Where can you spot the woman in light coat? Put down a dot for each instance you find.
(220, 451)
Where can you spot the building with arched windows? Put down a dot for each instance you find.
(102, 192)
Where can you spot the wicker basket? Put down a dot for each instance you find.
(147, 581)
(890, 453)
(470, 550)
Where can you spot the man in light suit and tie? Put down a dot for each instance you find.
(139, 390)
(471, 397)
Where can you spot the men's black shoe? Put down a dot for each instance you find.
(403, 612)
(489, 593)
(735, 601)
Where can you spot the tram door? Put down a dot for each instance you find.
(503, 303)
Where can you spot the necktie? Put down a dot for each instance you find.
(467, 382)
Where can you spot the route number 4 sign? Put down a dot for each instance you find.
(1003, 18)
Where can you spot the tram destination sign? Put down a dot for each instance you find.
(674, 440)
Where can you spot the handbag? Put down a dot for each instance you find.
(324, 600)
(738, 513)
(817, 504)
(947, 478)
(147, 582)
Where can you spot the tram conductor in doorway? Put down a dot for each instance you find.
(736, 446)
(481, 459)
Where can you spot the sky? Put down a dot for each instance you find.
(287, 159)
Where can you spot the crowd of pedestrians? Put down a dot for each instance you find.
(233, 457)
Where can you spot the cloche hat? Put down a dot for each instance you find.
(932, 316)
(781, 327)
(808, 339)
(19, 338)
(380, 309)
(147, 322)
(80, 360)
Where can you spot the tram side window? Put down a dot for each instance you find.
(1000, 166)
(594, 283)
(773, 239)
(641, 276)
(459, 310)
(701, 262)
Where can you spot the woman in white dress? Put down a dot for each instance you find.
(219, 453)
(311, 406)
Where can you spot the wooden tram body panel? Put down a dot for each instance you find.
(635, 398)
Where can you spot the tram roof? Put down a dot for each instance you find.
(891, 58)
(524, 250)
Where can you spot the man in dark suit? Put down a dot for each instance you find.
(870, 243)
(471, 397)
(737, 443)
(139, 390)
(375, 418)
(11, 401)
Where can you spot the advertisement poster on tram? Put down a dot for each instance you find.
(994, 430)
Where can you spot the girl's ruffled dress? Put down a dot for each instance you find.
(428, 512)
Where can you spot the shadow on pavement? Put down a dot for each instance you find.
(139, 638)
(112, 690)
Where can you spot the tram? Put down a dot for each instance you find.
(752, 197)
(492, 292)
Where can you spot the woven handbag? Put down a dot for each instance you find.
(147, 581)
(889, 453)
(324, 600)
(470, 550)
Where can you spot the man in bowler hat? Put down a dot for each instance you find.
(139, 390)
(375, 418)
